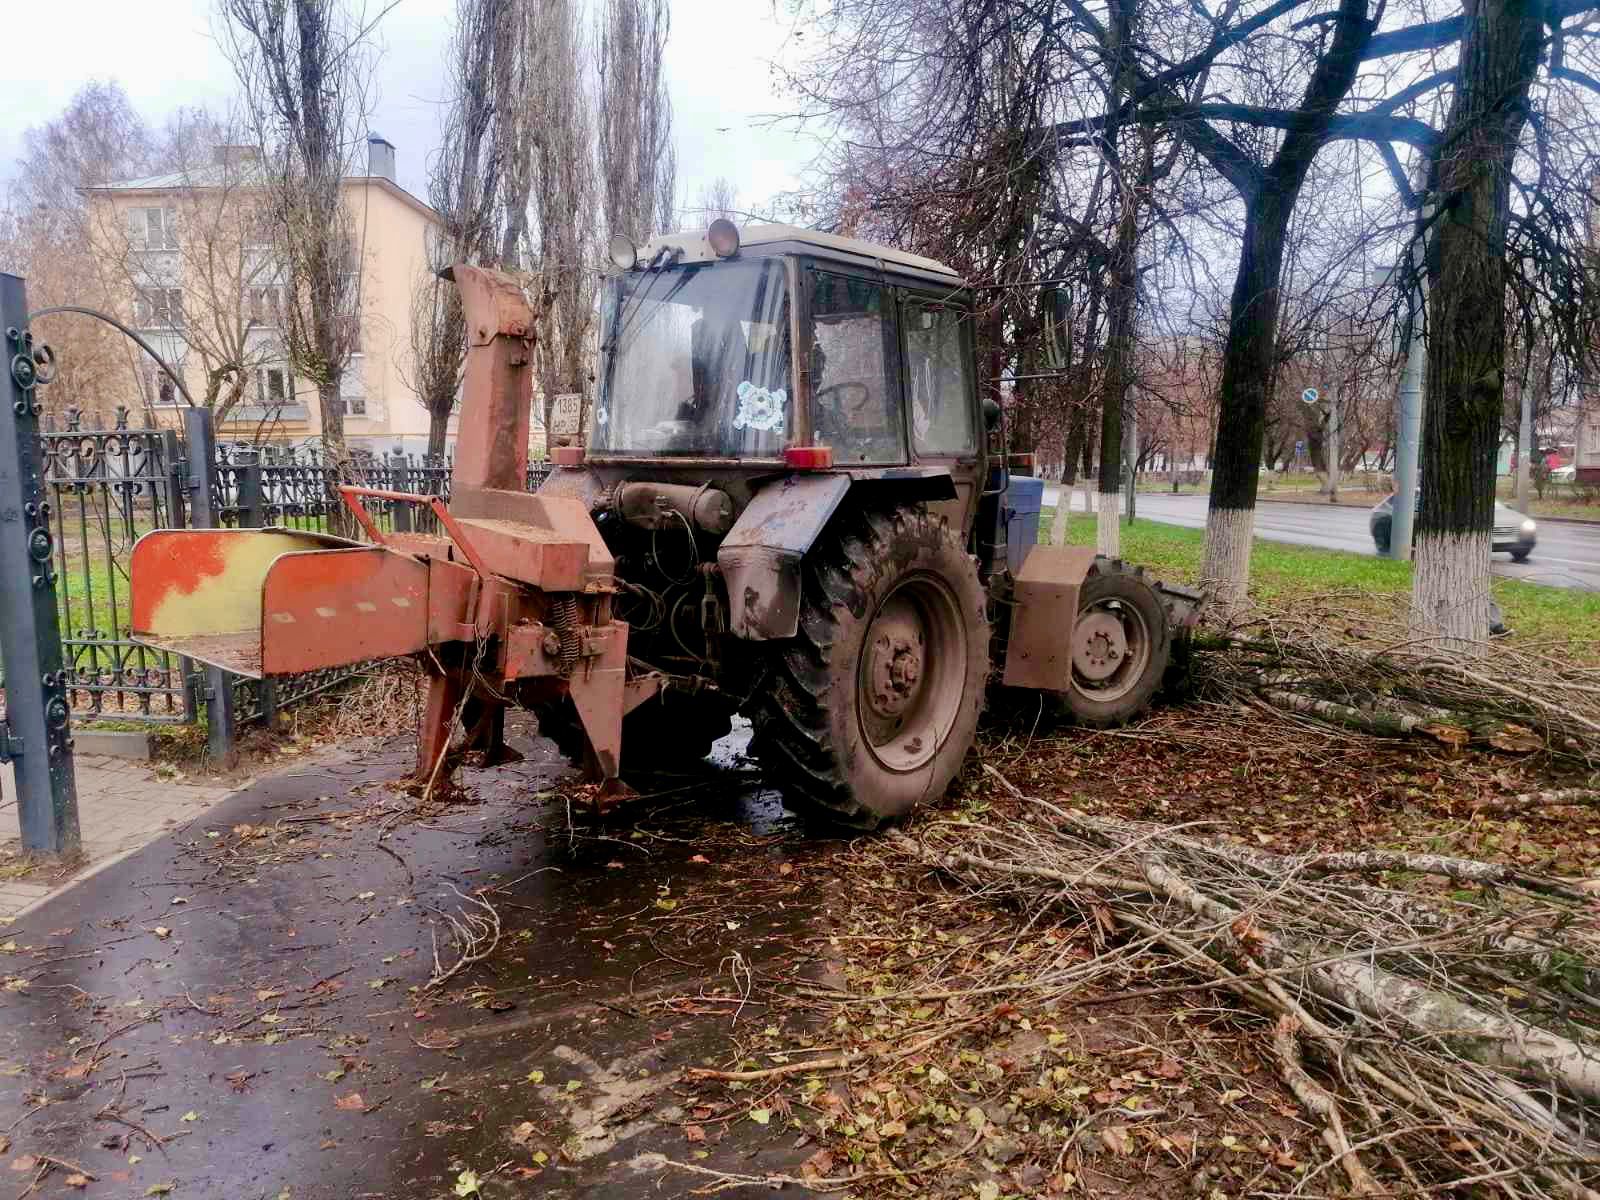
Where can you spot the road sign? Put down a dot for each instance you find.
(1310, 396)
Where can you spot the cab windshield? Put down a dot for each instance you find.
(695, 363)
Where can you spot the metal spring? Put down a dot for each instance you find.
(564, 620)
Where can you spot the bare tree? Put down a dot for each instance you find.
(719, 198)
(637, 163)
(303, 67)
(563, 200)
(44, 236)
(464, 182)
(212, 284)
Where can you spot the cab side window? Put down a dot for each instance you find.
(939, 380)
(855, 399)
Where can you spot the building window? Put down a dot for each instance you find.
(158, 308)
(258, 228)
(264, 305)
(274, 387)
(158, 386)
(153, 228)
(353, 386)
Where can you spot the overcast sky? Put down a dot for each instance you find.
(165, 56)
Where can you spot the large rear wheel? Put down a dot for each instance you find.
(872, 707)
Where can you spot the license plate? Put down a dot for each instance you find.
(566, 414)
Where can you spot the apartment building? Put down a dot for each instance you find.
(190, 251)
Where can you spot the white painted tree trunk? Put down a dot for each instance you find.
(1225, 563)
(1108, 528)
(1450, 590)
(1058, 523)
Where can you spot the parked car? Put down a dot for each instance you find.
(1514, 534)
(1566, 474)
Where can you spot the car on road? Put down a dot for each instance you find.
(1514, 534)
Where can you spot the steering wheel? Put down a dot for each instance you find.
(845, 405)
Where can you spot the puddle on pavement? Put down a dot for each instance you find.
(252, 987)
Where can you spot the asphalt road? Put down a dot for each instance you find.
(241, 1008)
(1568, 555)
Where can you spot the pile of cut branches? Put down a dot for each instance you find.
(1357, 665)
(1452, 1036)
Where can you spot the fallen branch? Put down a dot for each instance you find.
(1318, 1101)
(1382, 724)
(1586, 796)
(799, 1068)
(1453, 1036)
(1461, 870)
(473, 934)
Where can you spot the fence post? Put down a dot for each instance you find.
(253, 515)
(400, 481)
(202, 439)
(252, 490)
(37, 734)
(178, 518)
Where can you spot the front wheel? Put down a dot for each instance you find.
(1121, 644)
(872, 706)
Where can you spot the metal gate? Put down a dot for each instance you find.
(36, 735)
(107, 487)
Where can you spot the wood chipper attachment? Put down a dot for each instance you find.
(509, 602)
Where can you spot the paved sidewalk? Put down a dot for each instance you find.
(122, 805)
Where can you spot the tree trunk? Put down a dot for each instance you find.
(438, 427)
(1077, 433)
(1123, 296)
(1249, 357)
(335, 455)
(1248, 361)
(1470, 177)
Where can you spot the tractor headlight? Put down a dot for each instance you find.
(723, 238)
(623, 253)
(1529, 528)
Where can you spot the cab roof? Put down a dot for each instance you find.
(778, 239)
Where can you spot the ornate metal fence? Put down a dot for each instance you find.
(109, 486)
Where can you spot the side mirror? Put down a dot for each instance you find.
(991, 413)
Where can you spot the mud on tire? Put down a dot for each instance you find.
(871, 708)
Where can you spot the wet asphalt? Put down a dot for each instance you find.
(240, 1009)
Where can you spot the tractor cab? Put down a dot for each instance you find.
(787, 348)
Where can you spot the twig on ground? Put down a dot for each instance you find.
(474, 934)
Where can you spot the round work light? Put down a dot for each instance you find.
(723, 237)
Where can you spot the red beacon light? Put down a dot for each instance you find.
(809, 458)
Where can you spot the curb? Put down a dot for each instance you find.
(114, 743)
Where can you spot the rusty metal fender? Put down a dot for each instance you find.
(760, 558)
(1043, 612)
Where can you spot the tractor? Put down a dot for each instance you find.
(791, 501)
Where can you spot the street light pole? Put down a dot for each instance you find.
(1334, 431)
(1408, 420)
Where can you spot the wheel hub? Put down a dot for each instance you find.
(1099, 646)
(909, 673)
(894, 667)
